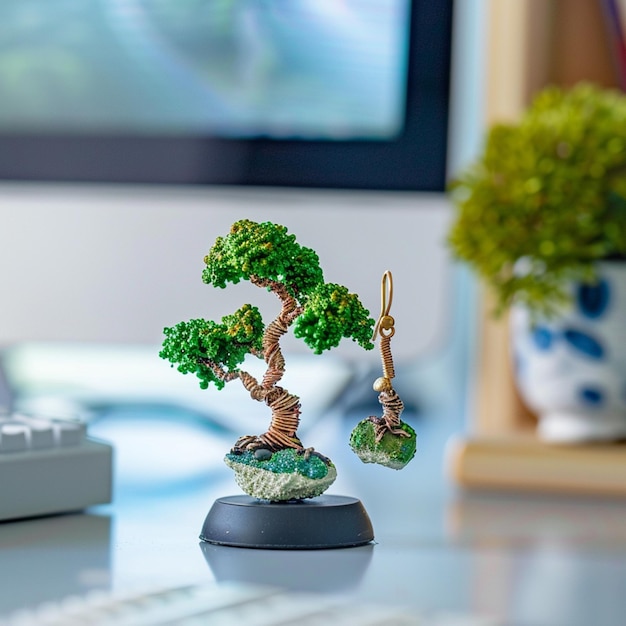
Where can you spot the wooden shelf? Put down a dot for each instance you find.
(532, 43)
(522, 463)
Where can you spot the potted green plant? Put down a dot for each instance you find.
(541, 217)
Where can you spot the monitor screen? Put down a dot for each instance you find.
(317, 93)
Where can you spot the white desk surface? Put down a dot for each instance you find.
(528, 560)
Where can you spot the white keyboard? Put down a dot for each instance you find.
(50, 466)
(226, 605)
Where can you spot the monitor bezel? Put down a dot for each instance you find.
(414, 160)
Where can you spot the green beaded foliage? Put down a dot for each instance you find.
(267, 254)
(265, 250)
(189, 344)
(332, 313)
(287, 461)
(547, 197)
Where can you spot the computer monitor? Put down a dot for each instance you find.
(329, 94)
(126, 147)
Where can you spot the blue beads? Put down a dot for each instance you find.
(584, 343)
(542, 337)
(591, 396)
(593, 299)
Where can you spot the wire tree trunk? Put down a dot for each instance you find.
(285, 407)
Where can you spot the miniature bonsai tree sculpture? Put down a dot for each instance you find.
(274, 465)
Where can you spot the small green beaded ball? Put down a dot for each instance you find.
(393, 451)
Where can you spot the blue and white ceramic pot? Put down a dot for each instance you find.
(571, 371)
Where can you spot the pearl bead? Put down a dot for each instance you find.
(382, 384)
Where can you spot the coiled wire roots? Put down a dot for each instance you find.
(285, 409)
(390, 420)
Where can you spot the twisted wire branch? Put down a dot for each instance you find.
(220, 372)
(273, 354)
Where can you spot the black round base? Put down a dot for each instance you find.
(322, 522)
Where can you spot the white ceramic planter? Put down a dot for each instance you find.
(571, 371)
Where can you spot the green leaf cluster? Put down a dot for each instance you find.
(265, 250)
(546, 199)
(332, 313)
(267, 254)
(193, 345)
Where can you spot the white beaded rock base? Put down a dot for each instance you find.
(278, 486)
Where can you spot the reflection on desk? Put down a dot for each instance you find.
(544, 560)
(523, 560)
(348, 566)
(49, 558)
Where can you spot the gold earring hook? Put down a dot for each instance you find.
(385, 321)
(385, 328)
